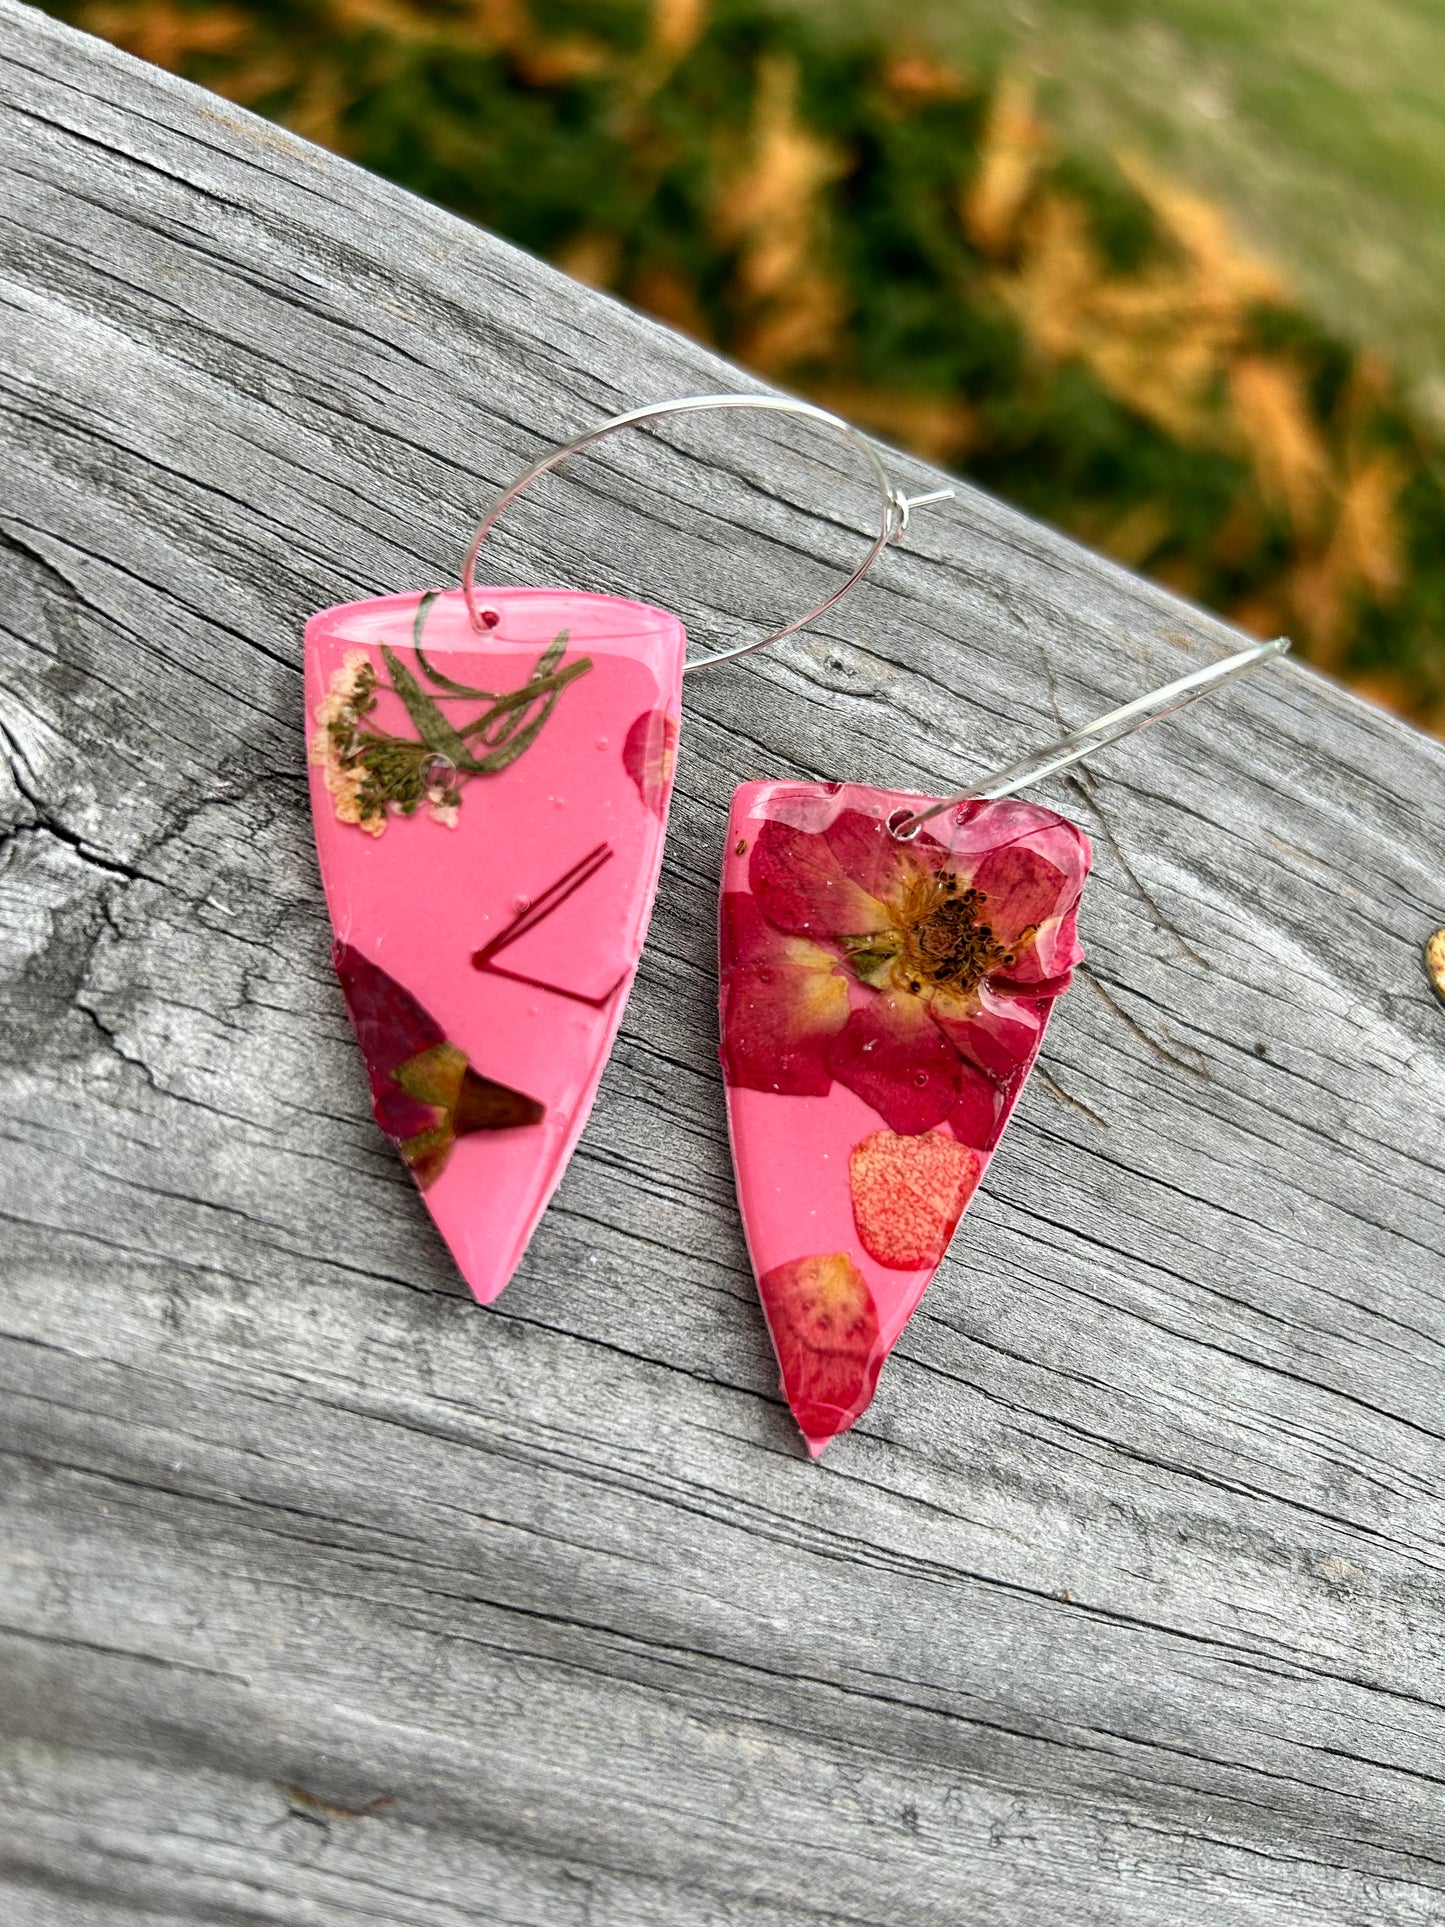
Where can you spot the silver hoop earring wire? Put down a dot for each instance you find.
(894, 505)
(1139, 714)
(894, 508)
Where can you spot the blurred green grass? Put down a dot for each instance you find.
(977, 232)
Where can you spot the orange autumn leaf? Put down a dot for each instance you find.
(167, 34)
(1014, 147)
(1286, 449)
(771, 208)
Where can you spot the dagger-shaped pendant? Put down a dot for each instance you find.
(490, 811)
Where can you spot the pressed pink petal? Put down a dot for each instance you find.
(390, 1024)
(824, 1326)
(979, 1115)
(424, 1093)
(908, 1195)
(981, 828)
(986, 842)
(783, 1001)
(999, 1035)
(802, 886)
(1057, 951)
(1049, 987)
(892, 1055)
(1021, 891)
(648, 755)
(391, 1028)
(1029, 976)
(869, 853)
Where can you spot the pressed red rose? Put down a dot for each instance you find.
(425, 1094)
(960, 948)
(825, 1331)
(783, 1001)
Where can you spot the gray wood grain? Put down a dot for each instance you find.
(326, 1597)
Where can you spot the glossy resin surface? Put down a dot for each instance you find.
(490, 812)
(882, 1004)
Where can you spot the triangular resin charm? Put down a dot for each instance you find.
(882, 1004)
(490, 812)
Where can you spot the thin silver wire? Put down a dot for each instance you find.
(1139, 714)
(894, 510)
(894, 505)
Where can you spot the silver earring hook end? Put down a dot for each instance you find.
(1112, 728)
(901, 506)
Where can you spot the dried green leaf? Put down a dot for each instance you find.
(510, 711)
(509, 750)
(433, 728)
(423, 610)
(551, 655)
(508, 715)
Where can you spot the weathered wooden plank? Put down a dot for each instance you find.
(1124, 1604)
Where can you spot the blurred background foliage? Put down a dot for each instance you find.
(913, 239)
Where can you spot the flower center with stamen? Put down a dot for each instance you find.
(947, 944)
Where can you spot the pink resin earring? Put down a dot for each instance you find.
(889, 963)
(491, 772)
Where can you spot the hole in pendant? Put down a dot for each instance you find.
(900, 816)
(488, 618)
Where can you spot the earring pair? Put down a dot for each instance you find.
(491, 774)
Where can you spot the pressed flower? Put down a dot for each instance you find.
(443, 804)
(783, 1001)
(648, 756)
(337, 745)
(908, 1195)
(425, 1094)
(952, 952)
(902, 988)
(825, 1331)
(373, 772)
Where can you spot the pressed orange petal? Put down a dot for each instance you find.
(909, 1194)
